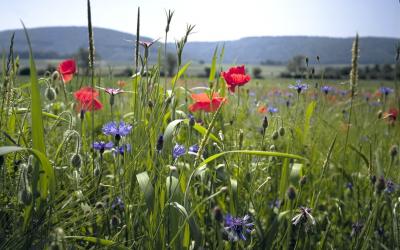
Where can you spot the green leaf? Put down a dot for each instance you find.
(36, 106)
(147, 189)
(309, 113)
(251, 152)
(179, 74)
(98, 241)
(213, 66)
(48, 173)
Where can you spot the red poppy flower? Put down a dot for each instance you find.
(235, 76)
(391, 115)
(262, 109)
(203, 102)
(67, 70)
(87, 99)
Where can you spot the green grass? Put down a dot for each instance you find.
(307, 156)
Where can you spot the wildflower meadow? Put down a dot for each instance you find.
(94, 161)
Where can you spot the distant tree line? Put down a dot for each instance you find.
(297, 67)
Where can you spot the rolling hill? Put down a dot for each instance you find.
(115, 46)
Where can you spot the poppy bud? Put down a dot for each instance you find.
(50, 94)
(275, 135)
(265, 123)
(312, 71)
(373, 179)
(160, 143)
(318, 58)
(76, 161)
(240, 138)
(100, 205)
(291, 193)
(97, 171)
(218, 216)
(192, 122)
(281, 131)
(272, 147)
(303, 180)
(150, 104)
(379, 114)
(307, 61)
(394, 150)
(55, 76)
(380, 185)
(82, 114)
(115, 221)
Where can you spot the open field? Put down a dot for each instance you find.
(225, 161)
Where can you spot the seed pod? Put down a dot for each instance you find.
(241, 138)
(272, 147)
(275, 135)
(192, 121)
(218, 216)
(394, 150)
(379, 114)
(150, 104)
(50, 93)
(76, 161)
(303, 180)
(97, 171)
(291, 193)
(265, 123)
(160, 143)
(281, 131)
(55, 76)
(380, 185)
(115, 221)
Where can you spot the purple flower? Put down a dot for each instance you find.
(304, 217)
(236, 227)
(123, 149)
(178, 151)
(299, 87)
(102, 146)
(385, 91)
(356, 228)
(272, 110)
(349, 185)
(390, 187)
(326, 89)
(193, 149)
(118, 203)
(117, 130)
(112, 91)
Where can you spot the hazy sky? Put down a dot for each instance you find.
(215, 19)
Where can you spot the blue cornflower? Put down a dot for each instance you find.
(390, 187)
(236, 227)
(272, 110)
(385, 91)
(326, 89)
(118, 203)
(193, 149)
(178, 151)
(343, 92)
(101, 146)
(117, 130)
(299, 86)
(123, 149)
(356, 228)
(349, 185)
